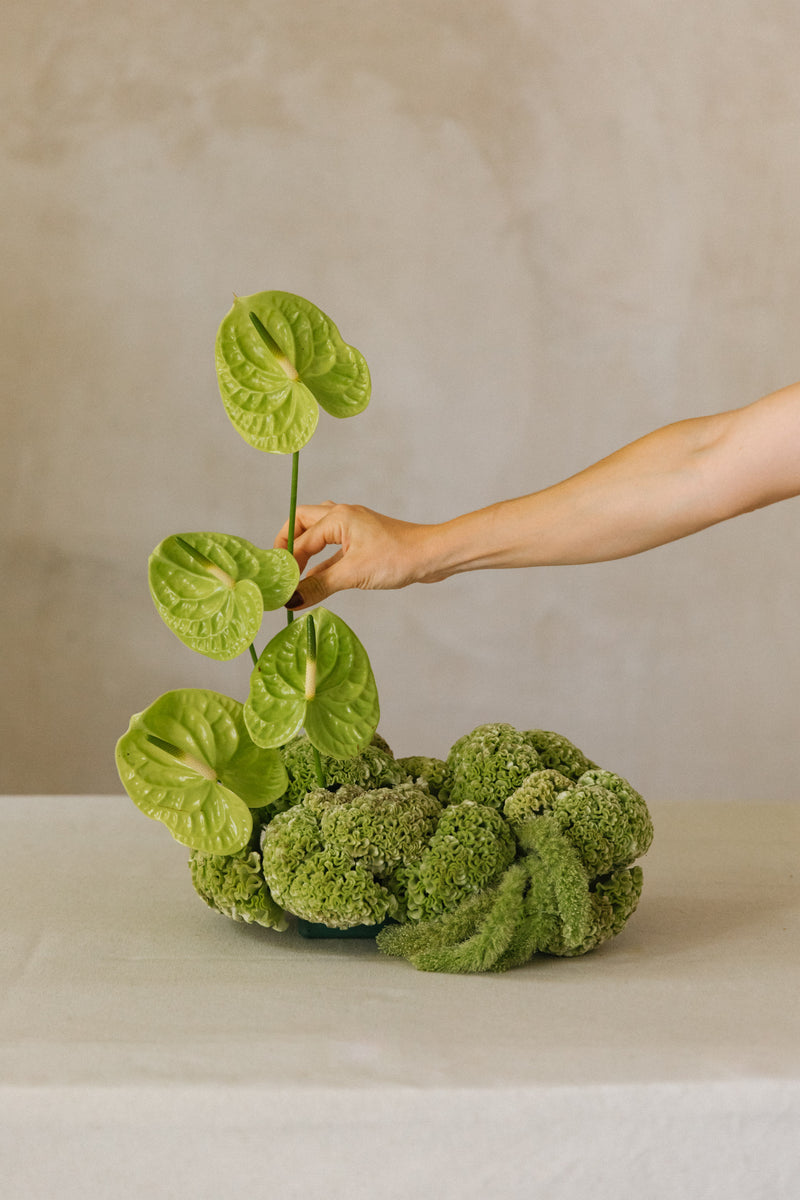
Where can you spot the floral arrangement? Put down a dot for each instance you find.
(291, 803)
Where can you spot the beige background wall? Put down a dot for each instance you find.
(549, 226)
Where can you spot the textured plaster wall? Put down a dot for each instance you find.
(550, 227)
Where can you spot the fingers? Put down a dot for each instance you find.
(314, 530)
(306, 516)
(373, 551)
(322, 582)
(323, 566)
(311, 591)
(327, 531)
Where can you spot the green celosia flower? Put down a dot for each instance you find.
(380, 741)
(234, 885)
(608, 830)
(472, 846)
(613, 898)
(613, 783)
(558, 753)
(432, 771)
(332, 859)
(374, 767)
(536, 794)
(487, 765)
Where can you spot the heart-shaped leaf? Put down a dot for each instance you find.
(189, 762)
(278, 356)
(334, 697)
(211, 589)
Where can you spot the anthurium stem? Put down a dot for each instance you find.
(292, 516)
(318, 768)
(253, 654)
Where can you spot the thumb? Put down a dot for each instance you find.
(313, 590)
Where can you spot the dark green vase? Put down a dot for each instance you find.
(308, 929)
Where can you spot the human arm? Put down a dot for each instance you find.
(673, 482)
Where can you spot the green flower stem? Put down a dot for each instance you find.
(292, 516)
(321, 780)
(253, 654)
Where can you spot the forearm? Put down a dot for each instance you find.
(675, 481)
(630, 502)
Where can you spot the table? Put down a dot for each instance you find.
(149, 1046)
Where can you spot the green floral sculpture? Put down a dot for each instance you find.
(520, 861)
(291, 802)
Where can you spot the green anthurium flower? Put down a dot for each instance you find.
(189, 762)
(211, 589)
(324, 683)
(278, 358)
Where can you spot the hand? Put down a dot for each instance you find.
(374, 551)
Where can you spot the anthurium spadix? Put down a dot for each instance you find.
(189, 762)
(316, 677)
(211, 589)
(278, 358)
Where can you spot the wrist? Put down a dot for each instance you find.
(465, 543)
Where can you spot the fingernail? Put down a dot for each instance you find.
(294, 601)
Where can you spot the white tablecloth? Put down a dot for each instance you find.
(150, 1047)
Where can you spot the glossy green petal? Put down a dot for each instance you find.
(189, 762)
(211, 589)
(341, 716)
(272, 383)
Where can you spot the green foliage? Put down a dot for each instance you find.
(189, 762)
(275, 371)
(337, 702)
(211, 589)
(560, 883)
